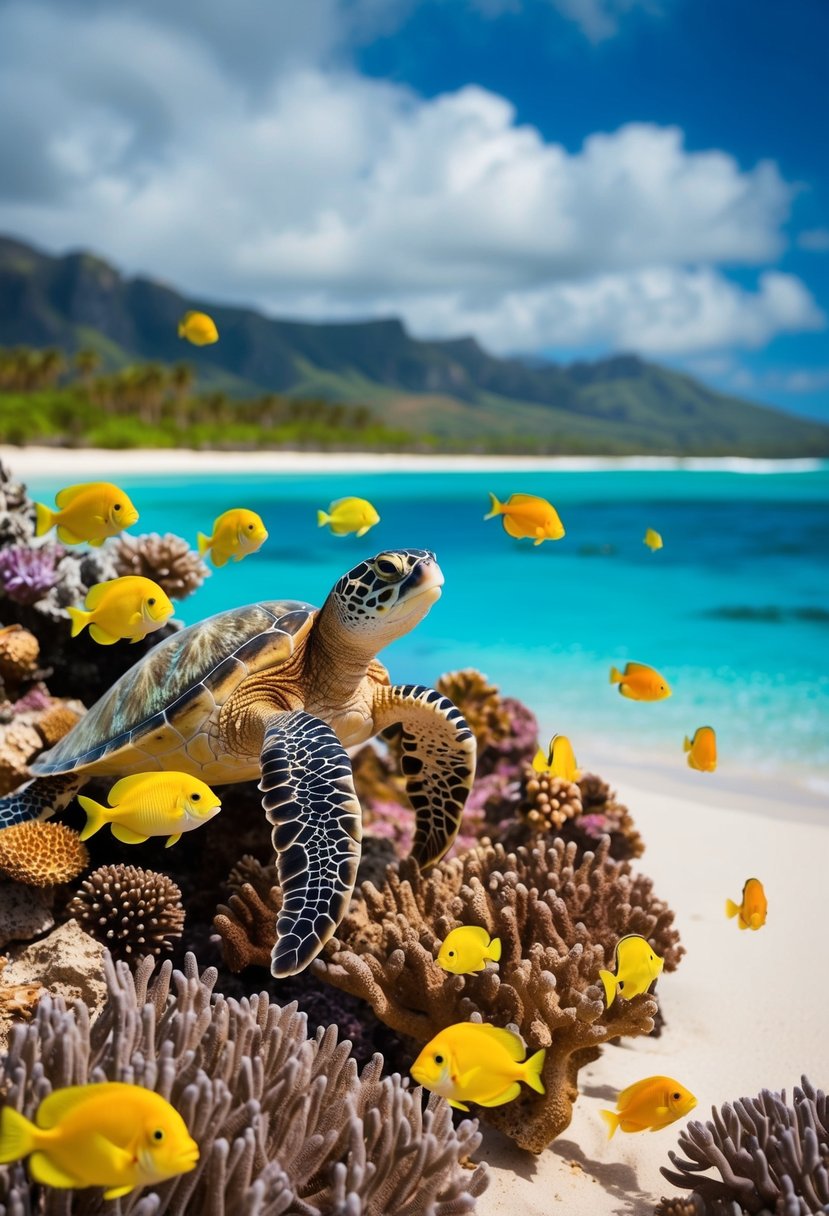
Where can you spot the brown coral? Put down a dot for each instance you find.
(17, 1000)
(548, 801)
(133, 912)
(167, 560)
(19, 653)
(246, 925)
(583, 813)
(41, 854)
(56, 721)
(19, 743)
(480, 703)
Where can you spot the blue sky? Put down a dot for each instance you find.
(566, 176)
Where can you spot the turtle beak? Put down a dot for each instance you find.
(426, 578)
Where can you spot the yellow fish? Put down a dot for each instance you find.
(151, 804)
(347, 515)
(559, 761)
(649, 1104)
(702, 749)
(126, 608)
(526, 515)
(88, 512)
(473, 1062)
(235, 534)
(752, 911)
(467, 949)
(640, 682)
(109, 1134)
(198, 328)
(652, 539)
(637, 966)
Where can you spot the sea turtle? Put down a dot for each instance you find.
(278, 690)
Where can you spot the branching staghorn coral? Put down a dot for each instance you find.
(772, 1157)
(558, 922)
(285, 1124)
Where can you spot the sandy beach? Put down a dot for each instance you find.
(32, 462)
(744, 1011)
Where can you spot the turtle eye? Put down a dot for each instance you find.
(387, 568)
(438, 1059)
(158, 1135)
(195, 797)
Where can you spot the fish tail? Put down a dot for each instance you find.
(95, 816)
(610, 985)
(79, 619)
(686, 746)
(182, 329)
(495, 507)
(322, 518)
(532, 1071)
(17, 1135)
(204, 543)
(616, 676)
(45, 519)
(731, 909)
(494, 951)
(612, 1120)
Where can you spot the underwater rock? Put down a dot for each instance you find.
(17, 1001)
(24, 913)
(41, 854)
(168, 560)
(129, 910)
(772, 1157)
(284, 1123)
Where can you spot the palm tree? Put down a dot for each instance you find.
(86, 363)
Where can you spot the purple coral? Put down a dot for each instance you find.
(26, 575)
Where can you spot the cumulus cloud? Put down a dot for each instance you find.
(815, 240)
(311, 190)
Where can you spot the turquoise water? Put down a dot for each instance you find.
(734, 611)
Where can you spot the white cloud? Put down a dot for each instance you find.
(816, 240)
(326, 194)
(597, 19)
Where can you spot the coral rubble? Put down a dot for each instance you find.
(559, 922)
(772, 1157)
(132, 911)
(168, 560)
(284, 1123)
(41, 854)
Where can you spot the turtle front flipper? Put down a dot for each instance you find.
(39, 799)
(438, 762)
(308, 795)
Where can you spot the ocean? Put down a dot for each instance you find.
(734, 610)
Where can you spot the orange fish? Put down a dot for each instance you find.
(751, 913)
(649, 1104)
(640, 682)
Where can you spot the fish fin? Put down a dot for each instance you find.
(523, 498)
(17, 1135)
(731, 909)
(638, 667)
(96, 544)
(218, 559)
(203, 542)
(68, 538)
(541, 761)
(118, 1192)
(79, 619)
(43, 1169)
(532, 1071)
(756, 920)
(457, 1105)
(181, 329)
(96, 816)
(45, 519)
(101, 636)
(127, 835)
(70, 493)
(508, 1095)
(610, 985)
(686, 746)
(540, 536)
(95, 594)
(615, 675)
(661, 1111)
(126, 785)
(512, 528)
(495, 507)
(58, 1104)
(612, 1120)
(322, 518)
(171, 840)
(494, 951)
(510, 1042)
(742, 924)
(363, 531)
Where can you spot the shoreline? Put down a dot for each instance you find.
(57, 462)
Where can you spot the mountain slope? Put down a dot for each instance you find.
(453, 389)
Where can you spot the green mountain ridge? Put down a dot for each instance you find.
(452, 389)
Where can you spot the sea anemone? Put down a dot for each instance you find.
(167, 560)
(133, 912)
(41, 854)
(27, 575)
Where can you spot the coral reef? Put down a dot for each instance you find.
(27, 575)
(548, 801)
(168, 560)
(131, 911)
(17, 1000)
(485, 711)
(582, 812)
(41, 854)
(559, 923)
(19, 653)
(772, 1157)
(285, 1124)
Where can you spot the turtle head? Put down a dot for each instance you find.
(385, 596)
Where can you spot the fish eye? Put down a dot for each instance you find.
(250, 527)
(438, 1059)
(451, 953)
(158, 1135)
(651, 958)
(195, 797)
(117, 507)
(677, 1097)
(151, 601)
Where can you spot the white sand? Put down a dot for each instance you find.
(744, 1010)
(88, 462)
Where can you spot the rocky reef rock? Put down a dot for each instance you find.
(24, 913)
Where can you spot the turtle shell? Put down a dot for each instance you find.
(174, 688)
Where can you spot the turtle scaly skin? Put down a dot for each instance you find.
(277, 691)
